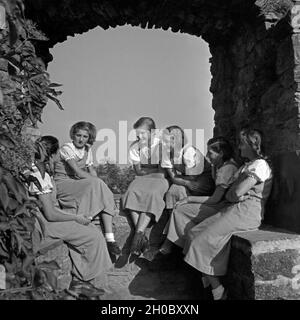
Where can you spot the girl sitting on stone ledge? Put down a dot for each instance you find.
(79, 190)
(88, 252)
(208, 245)
(144, 198)
(186, 166)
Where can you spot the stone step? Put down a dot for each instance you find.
(264, 265)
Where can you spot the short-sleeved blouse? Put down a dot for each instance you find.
(46, 183)
(225, 175)
(68, 151)
(189, 156)
(259, 169)
(143, 154)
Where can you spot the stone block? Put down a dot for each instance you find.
(59, 252)
(264, 265)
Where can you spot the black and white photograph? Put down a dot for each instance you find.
(149, 154)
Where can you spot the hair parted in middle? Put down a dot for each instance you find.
(87, 126)
(149, 122)
(183, 138)
(219, 144)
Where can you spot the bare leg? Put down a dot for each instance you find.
(135, 217)
(107, 222)
(218, 290)
(112, 246)
(213, 280)
(140, 242)
(143, 222)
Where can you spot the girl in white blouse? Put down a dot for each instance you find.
(79, 190)
(144, 199)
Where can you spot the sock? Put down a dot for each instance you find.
(218, 292)
(205, 282)
(109, 237)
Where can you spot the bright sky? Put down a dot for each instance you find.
(125, 73)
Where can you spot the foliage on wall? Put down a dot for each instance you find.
(24, 90)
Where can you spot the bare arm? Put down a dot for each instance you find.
(238, 190)
(175, 178)
(53, 214)
(92, 171)
(77, 171)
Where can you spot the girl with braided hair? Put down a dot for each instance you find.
(208, 245)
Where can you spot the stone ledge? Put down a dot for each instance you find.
(264, 264)
(57, 251)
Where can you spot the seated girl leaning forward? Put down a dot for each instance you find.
(208, 246)
(79, 190)
(178, 156)
(193, 209)
(91, 259)
(144, 198)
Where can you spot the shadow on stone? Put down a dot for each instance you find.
(170, 279)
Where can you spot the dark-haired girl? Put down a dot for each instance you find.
(208, 245)
(144, 198)
(88, 252)
(193, 209)
(79, 190)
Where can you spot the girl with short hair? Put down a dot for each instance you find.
(79, 190)
(144, 198)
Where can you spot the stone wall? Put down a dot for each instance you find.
(253, 84)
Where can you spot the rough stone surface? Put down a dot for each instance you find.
(135, 278)
(264, 265)
(58, 252)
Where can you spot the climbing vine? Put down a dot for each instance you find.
(25, 88)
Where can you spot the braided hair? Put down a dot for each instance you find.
(254, 138)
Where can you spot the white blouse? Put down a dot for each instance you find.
(189, 156)
(68, 151)
(259, 169)
(46, 183)
(141, 154)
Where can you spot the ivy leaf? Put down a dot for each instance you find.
(3, 253)
(56, 101)
(1, 98)
(6, 141)
(12, 186)
(4, 226)
(54, 85)
(4, 198)
(13, 204)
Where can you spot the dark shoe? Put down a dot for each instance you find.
(84, 288)
(137, 243)
(113, 248)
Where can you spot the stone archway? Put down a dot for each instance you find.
(254, 66)
(249, 42)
